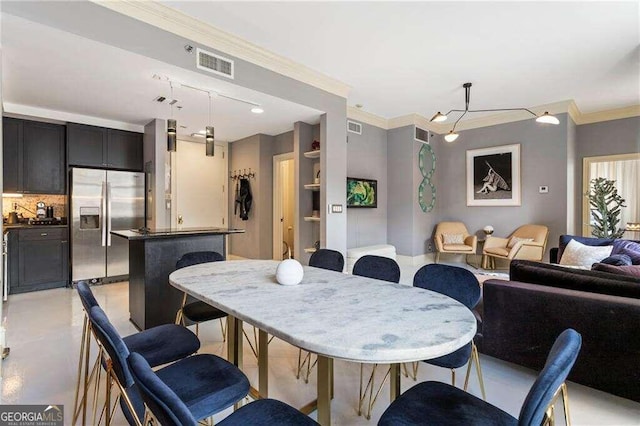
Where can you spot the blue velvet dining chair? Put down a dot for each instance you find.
(331, 260)
(170, 409)
(206, 383)
(385, 269)
(199, 311)
(461, 285)
(327, 259)
(159, 345)
(436, 403)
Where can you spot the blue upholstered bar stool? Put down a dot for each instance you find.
(385, 269)
(331, 260)
(171, 410)
(436, 403)
(199, 311)
(461, 285)
(159, 345)
(206, 383)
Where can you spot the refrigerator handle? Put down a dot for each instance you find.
(103, 209)
(109, 214)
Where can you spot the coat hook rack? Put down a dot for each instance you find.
(242, 174)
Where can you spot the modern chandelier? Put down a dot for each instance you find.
(452, 135)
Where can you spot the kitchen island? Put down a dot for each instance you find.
(152, 257)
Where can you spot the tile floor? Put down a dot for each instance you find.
(43, 331)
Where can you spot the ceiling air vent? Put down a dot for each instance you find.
(215, 64)
(354, 127)
(421, 135)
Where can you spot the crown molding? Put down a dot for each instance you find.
(358, 114)
(568, 106)
(176, 22)
(608, 115)
(54, 116)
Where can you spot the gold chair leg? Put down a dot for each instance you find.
(179, 314)
(299, 364)
(370, 388)
(96, 390)
(475, 359)
(416, 364)
(223, 328)
(309, 367)
(565, 403)
(80, 370)
(254, 349)
(453, 377)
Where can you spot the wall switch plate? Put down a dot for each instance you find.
(544, 189)
(335, 208)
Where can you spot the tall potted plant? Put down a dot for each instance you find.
(605, 205)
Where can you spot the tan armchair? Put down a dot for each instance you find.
(516, 245)
(466, 246)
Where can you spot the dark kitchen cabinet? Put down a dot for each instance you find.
(91, 146)
(11, 154)
(124, 150)
(85, 145)
(33, 159)
(38, 259)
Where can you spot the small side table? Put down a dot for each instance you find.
(480, 258)
(488, 262)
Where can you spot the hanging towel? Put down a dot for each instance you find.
(244, 199)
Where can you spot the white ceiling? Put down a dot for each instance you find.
(48, 68)
(411, 57)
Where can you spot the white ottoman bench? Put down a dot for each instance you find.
(384, 250)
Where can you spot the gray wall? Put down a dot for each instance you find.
(543, 151)
(367, 158)
(400, 148)
(283, 143)
(604, 138)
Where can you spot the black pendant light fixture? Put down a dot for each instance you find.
(209, 134)
(452, 135)
(172, 128)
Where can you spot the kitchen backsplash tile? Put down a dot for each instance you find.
(59, 203)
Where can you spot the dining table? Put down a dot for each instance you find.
(331, 314)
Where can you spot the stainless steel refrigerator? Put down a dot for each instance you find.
(103, 201)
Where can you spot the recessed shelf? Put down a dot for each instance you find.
(312, 154)
(310, 250)
(312, 218)
(312, 186)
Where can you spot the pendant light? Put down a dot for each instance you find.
(547, 118)
(172, 127)
(209, 135)
(452, 135)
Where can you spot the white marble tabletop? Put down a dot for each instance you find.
(334, 314)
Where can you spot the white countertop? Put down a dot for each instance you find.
(334, 314)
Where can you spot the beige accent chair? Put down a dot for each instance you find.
(497, 247)
(468, 247)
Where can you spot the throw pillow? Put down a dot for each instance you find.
(578, 254)
(515, 240)
(617, 260)
(630, 248)
(453, 238)
(630, 270)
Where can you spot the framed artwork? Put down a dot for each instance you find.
(362, 192)
(493, 176)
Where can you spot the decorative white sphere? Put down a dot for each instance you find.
(289, 272)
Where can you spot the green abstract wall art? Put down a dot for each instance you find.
(426, 189)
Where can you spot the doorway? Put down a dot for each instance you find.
(283, 206)
(200, 186)
(624, 169)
